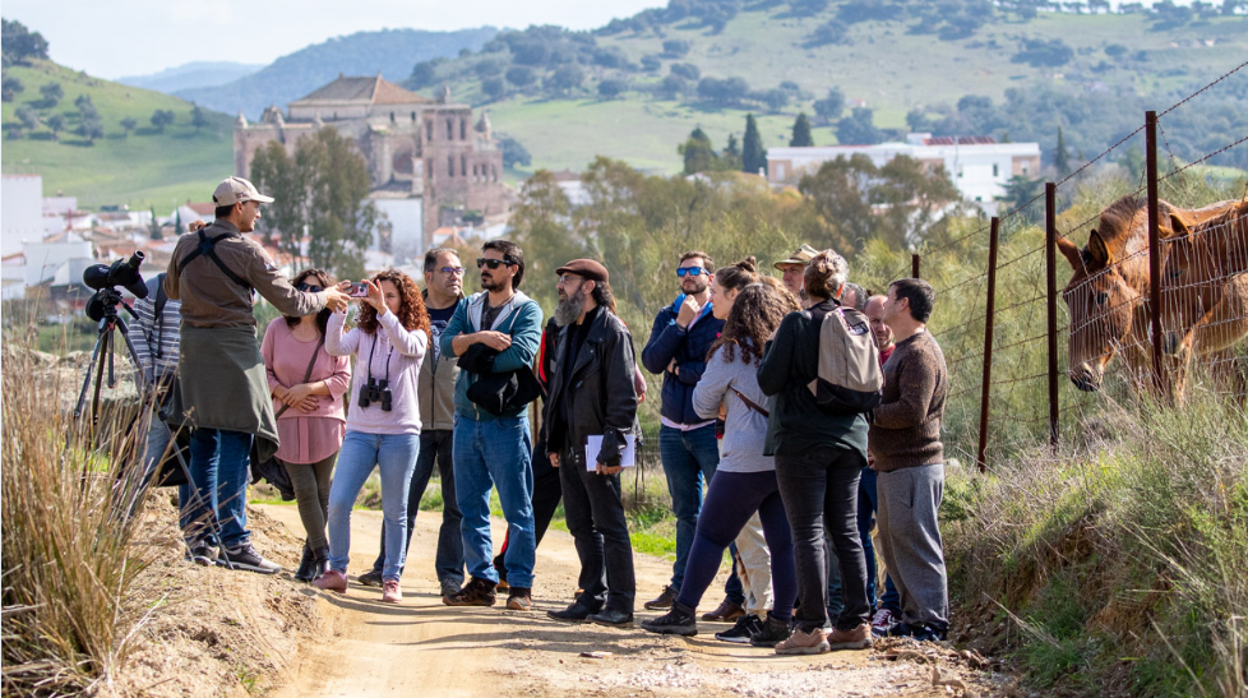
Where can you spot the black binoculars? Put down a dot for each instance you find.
(376, 391)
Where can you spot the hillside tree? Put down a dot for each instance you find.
(698, 152)
(801, 133)
(11, 88)
(198, 118)
(829, 108)
(20, 44)
(128, 124)
(162, 118)
(52, 93)
(730, 158)
(29, 117)
(1061, 156)
(753, 154)
(858, 128)
(56, 123)
(91, 129)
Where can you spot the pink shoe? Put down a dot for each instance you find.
(391, 592)
(332, 580)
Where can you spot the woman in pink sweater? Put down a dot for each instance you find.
(311, 421)
(383, 427)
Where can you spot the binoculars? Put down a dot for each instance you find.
(376, 391)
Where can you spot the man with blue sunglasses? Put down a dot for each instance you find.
(682, 334)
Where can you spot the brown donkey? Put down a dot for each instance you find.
(1205, 282)
(1108, 292)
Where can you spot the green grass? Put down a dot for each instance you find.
(145, 169)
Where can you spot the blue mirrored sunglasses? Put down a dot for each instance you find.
(683, 271)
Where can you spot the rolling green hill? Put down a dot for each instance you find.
(145, 168)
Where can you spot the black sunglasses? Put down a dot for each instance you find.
(492, 263)
(309, 288)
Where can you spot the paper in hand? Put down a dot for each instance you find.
(628, 459)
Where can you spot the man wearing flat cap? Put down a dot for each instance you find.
(592, 394)
(792, 269)
(223, 389)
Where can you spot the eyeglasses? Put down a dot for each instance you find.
(452, 271)
(569, 279)
(696, 271)
(493, 263)
(309, 288)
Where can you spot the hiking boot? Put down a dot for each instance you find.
(245, 557)
(665, 600)
(855, 639)
(740, 633)
(333, 580)
(307, 566)
(371, 578)
(771, 632)
(391, 592)
(726, 613)
(520, 599)
(320, 561)
(883, 621)
(450, 587)
(613, 618)
(804, 642)
(202, 555)
(922, 632)
(576, 613)
(681, 620)
(478, 592)
(502, 586)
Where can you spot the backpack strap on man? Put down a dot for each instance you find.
(207, 247)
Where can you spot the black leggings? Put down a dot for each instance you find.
(311, 483)
(731, 500)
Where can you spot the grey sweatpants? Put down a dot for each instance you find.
(910, 543)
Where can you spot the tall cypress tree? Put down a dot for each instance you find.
(753, 154)
(801, 133)
(1061, 157)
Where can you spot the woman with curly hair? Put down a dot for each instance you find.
(307, 384)
(383, 425)
(745, 481)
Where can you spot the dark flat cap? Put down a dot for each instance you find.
(586, 269)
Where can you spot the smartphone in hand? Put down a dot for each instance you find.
(358, 289)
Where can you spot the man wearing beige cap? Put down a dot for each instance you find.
(223, 388)
(793, 268)
(589, 419)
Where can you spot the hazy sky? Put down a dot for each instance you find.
(138, 37)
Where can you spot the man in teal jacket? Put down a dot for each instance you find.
(491, 450)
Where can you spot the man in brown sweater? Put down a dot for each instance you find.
(905, 440)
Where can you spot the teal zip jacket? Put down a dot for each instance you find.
(521, 318)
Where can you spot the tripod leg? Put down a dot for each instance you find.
(86, 381)
(99, 378)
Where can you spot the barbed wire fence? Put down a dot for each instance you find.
(1048, 319)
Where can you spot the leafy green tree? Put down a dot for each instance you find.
(675, 48)
(11, 88)
(56, 123)
(753, 154)
(494, 88)
(128, 124)
(52, 93)
(858, 128)
(198, 118)
(92, 129)
(730, 158)
(612, 87)
(673, 86)
(1019, 190)
(830, 32)
(153, 227)
(20, 44)
(520, 76)
(29, 117)
(698, 152)
(775, 100)
(651, 64)
(86, 108)
(801, 133)
(829, 108)
(162, 118)
(1061, 156)
(566, 79)
(514, 153)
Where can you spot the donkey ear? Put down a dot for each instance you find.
(1178, 229)
(1098, 251)
(1070, 251)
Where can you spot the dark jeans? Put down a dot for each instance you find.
(731, 500)
(593, 507)
(868, 504)
(449, 563)
(689, 458)
(311, 482)
(547, 493)
(218, 466)
(820, 492)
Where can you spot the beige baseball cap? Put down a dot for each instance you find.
(804, 254)
(233, 190)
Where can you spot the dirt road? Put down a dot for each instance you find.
(424, 648)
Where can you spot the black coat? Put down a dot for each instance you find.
(602, 399)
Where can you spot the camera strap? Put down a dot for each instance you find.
(373, 353)
(207, 247)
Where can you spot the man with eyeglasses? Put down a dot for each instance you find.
(443, 294)
(491, 449)
(682, 334)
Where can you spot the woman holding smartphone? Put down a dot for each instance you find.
(383, 425)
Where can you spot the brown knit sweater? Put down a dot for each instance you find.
(906, 430)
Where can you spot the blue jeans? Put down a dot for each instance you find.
(868, 504)
(449, 563)
(488, 454)
(689, 457)
(395, 455)
(219, 461)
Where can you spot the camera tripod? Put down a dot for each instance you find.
(105, 352)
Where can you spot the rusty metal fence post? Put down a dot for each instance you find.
(1154, 249)
(989, 311)
(1050, 265)
(914, 266)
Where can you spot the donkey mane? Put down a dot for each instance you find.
(1116, 218)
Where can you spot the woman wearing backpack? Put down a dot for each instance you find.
(745, 480)
(819, 458)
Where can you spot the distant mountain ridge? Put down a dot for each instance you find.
(392, 52)
(191, 75)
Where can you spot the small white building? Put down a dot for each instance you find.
(21, 201)
(978, 166)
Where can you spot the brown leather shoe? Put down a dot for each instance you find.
(665, 600)
(726, 613)
(478, 592)
(520, 599)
